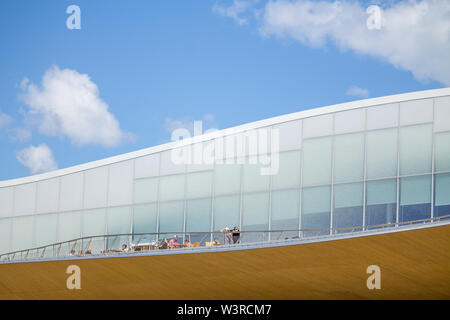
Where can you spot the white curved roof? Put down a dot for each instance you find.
(234, 130)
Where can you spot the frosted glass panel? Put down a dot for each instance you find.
(415, 195)
(172, 187)
(318, 126)
(442, 151)
(22, 233)
(147, 166)
(381, 192)
(199, 184)
(285, 210)
(415, 149)
(348, 206)
(442, 114)
(119, 220)
(176, 163)
(202, 156)
(316, 204)
(226, 212)
(94, 222)
(96, 187)
(382, 153)
(317, 161)
(227, 178)
(47, 196)
(416, 111)
(145, 219)
(198, 216)
(24, 199)
(253, 180)
(6, 202)
(255, 211)
(171, 217)
(146, 190)
(290, 135)
(288, 175)
(384, 116)
(120, 183)
(71, 198)
(46, 229)
(349, 157)
(5, 235)
(69, 226)
(442, 191)
(349, 121)
(415, 190)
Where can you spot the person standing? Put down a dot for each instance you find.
(236, 235)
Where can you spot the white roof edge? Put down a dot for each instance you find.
(234, 130)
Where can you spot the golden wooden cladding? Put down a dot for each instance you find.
(414, 265)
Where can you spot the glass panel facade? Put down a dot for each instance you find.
(69, 226)
(22, 233)
(290, 135)
(381, 153)
(118, 222)
(198, 219)
(316, 210)
(416, 111)
(226, 212)
(120, 190)
(94, 224)
(381, 202)
(255, 216)
(24, 199)
(415, 149)
(384, 116)
(171, 218)
(171, 187)
(288, 175)
(199, 184)
(348, 207)
(252, 178)
(442, 114)
(5, 235)
(349, 121)
(349, 157)
(146, 190)
(227, 179)
(71, 197)
(317, 161)
(6, 202)
(442, 195)
(318, 126)
(46, 224)
(96, 188)
(145, 218)
(415, 194)
(442, 151)
(47, 196)
(147, 166)
(285, 213)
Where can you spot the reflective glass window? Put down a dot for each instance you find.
(174, 161)
(415, 194)
(45, 229)
(199, 184)
(71, 197)
(318, 126)
(22, 233)
(442, 114)
(121, 183)
(94, 224)
(69, 226)
(381, 153)
(6, 202)
(147, 166)
(227, 178)
(348, 206)
(253, 179)
(349, 121)
(285, 213)
(288, 175)
(226, 212)
(416, 111)
(442, 195)
(146, 190)
(96, 187)
(47, 196)
(383, 116)
(171, 187)
(442, 151)
(171, 218)
(24, 199)
(415, 149)
(317, 161)
(145, 221)
(5, 235)
(381, 203)
(198, 219)
(255, 216)
(349, 157)
(290, 135)
(316, 204)
(118, 222)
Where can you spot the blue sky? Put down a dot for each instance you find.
(159, 64)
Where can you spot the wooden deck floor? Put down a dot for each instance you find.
(414, 265)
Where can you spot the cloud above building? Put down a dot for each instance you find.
(67, 104)
(38, 159)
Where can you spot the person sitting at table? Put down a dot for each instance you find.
(88, 251)
(164, 243)
(187, 243)
(72, 252)
(173, 243)
(124, 248)
(216, 242)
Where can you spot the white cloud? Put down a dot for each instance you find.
(37, 159)
(68, 104)
(414, 35)
(357, 92)
(233, 11)
(5, 120)
(19, 134)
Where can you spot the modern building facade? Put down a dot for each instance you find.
(353, 165)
